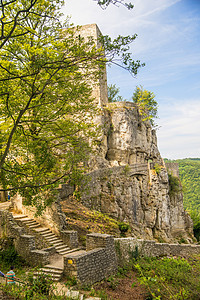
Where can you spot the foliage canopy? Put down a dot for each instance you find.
(113, 94)
(148, 106)
(46, 106)
(189, 171)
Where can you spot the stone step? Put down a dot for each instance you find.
(50, 270)
(19, 217)
(49, 266)
(27, 219)
(74, 252)
(54, 241)
(52, 238)
(63, 252)
(30, 223)
(44, 230)
(62, 247)
(5, 205)
(70, 251)
(57, 244)
(53, 276)
(48, 234)
(34, 226)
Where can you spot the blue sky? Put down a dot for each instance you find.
(169, 43)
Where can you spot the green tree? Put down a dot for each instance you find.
(105, 3)
(46, 106)
(113, 94)
(148, 106)
(195, 216)
(14, 12)
(189, 171)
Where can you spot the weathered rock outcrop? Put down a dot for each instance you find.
(128, 178)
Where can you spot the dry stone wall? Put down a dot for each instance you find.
(24, 244)
(52, 217)
(94, 265)
(126, 247)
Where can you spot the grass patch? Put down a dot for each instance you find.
(169, 278)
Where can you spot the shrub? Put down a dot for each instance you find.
(157, 168)
(42, 284)
(123, 227)
(9, 256)
(174, 185)
(165, 278)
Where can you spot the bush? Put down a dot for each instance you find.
(42, 284)
(166, 278)
(195, 216)
(174, 185)
(123, 227)
(157, 168)
(9, 256)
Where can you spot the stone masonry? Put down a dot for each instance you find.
(24, 244)
(125, 247)
(94, 265)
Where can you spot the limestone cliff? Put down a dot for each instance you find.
(128, 178)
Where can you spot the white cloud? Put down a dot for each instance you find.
(169, 45)
(179, 133)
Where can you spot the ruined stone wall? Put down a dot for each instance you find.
(95, 264)
(52, 217)
(24, 244)
(126, 247)
(173, 168)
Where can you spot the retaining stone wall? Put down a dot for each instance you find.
(70, 238)
(94, 265)
(52, 217)
(126, 246)
(24, 244)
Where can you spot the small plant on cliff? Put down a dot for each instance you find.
(126, 169)
(157, 168)
(123, 227)
(113, 94)
(195, 216)
(174, 185)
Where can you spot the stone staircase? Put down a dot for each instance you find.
(46, 233)
(54, 272)
(55, 268)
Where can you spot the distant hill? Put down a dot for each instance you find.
(189, 169)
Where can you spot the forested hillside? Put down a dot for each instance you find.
(189, 169)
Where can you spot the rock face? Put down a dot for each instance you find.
(128, 178)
